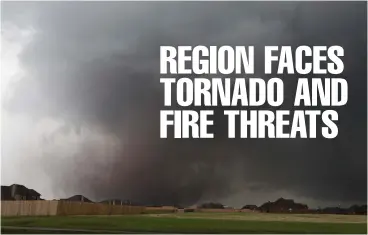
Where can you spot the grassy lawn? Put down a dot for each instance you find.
(27, 231)
(324, 218)
(185, 223)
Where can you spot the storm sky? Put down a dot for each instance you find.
(81, 99)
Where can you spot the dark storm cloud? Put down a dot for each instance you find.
(95, 65)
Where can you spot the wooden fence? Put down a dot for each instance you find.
(44, 208)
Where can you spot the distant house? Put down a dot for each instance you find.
(358, 210)
(250, 207)
(18, 192)
(77, 198)
(334, 210)
(33, 195)
(282, 205)
(211, 205)
(116, 202)
(353, 210)
(6, 193)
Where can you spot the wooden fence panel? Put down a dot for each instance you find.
(64, 208)
(28, 208)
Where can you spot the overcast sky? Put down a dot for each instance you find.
(81, 99)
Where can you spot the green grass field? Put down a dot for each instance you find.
(192, 223)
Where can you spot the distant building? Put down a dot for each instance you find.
(211, 205)
(283, 206)
(250, 207)
(117, 202)
(334, 210)
(353, 210)
(358, 210)
(18, 192)
(77, 198)
(6, 193)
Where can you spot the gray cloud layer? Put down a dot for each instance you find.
(95, 65)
